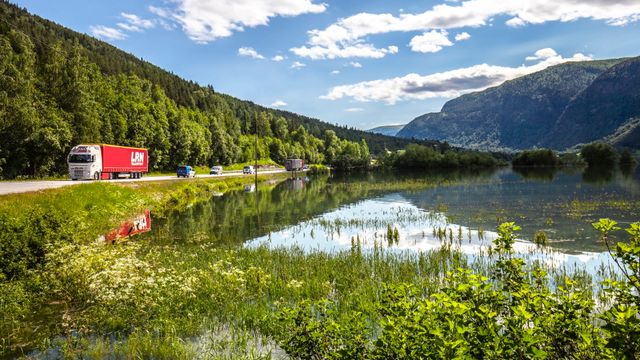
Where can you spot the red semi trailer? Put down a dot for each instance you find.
(101, 161)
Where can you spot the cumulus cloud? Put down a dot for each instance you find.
(249, 52)
(354, 109)
(107, 33)
(278, 58)
(204, 21)
(347, 35)
(335, 72)
(355, 64)
(430, 42)
(278, 103)
(463, 36)
(447, 84)
(297, 65)
(542, 54)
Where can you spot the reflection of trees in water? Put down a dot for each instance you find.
(544, 173)
(598, 174)
(627, 169)
(239, 216)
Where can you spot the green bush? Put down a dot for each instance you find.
(538, 157)
(599, 155)
(515, 313)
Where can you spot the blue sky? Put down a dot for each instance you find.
(354, 62)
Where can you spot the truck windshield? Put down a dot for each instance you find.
(80, 158)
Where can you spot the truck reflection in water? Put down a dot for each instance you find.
(296, 183)
(138, 225)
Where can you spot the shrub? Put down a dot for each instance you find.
(599, 154)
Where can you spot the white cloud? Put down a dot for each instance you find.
(542, 54)
(278, 58)
(333, 52)
(354, 109)
(138, 22)
(335, 72)
(204, 20)
(131, 23)
(463, 36)
(250, 52)
(340, 38)
(355, 64)
(297, 65)
(430, 42)
(108, 33)
(278, 103)
(447, 84)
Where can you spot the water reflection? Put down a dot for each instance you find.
(371, 224)
(546, 173)
(137, 225)
(598, 174)
(477, 201)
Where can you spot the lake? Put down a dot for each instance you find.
(424, 209)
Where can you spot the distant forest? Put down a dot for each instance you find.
(59, 88)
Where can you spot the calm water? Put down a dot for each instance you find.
(331, 214)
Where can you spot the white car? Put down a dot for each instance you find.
(215, 170)
(248, 170)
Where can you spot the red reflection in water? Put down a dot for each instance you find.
(138, 225)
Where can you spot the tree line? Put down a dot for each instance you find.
(52, 101)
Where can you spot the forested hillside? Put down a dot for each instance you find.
(59, 88)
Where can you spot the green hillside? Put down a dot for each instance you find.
(59, 88)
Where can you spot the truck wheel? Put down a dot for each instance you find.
(96, 176)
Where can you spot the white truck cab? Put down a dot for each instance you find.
(85, 162)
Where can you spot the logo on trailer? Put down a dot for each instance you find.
(137, 158)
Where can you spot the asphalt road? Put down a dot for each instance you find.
(14, 187)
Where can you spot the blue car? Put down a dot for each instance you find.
(185, 171)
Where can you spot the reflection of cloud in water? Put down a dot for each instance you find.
(419, 231)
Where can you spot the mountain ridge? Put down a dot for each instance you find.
(526, 112)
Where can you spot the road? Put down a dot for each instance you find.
(14, 187)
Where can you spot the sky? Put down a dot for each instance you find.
(353, 62)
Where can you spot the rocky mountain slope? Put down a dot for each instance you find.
(559, 107)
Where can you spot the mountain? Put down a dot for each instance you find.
(59, 88)
(389, 130)
(609, 106)
(559, 107)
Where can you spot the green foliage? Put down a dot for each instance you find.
(427, 157)
(540, 238)
(599, 155)
(515, 313)
(538, 157)
(622, 319)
